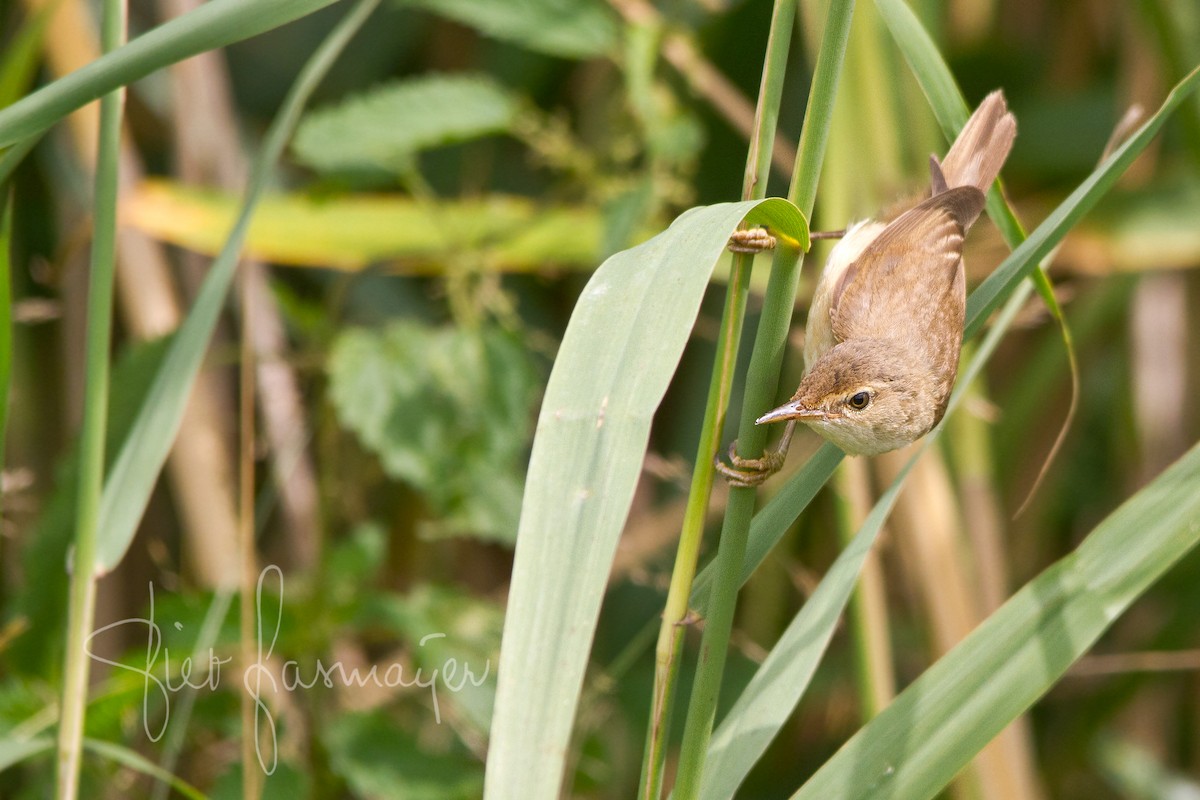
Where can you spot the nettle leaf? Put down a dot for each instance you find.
(446, 410)
(385, 127)
(568, 28)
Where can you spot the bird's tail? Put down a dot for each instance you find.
(979, 152)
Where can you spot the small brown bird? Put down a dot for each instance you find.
(886, 322)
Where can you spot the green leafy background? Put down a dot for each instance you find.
(435, 232)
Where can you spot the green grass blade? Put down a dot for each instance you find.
(773, 521)
(136, 469)
(93, 427)
(946, 716)
(139, 763)
(1023, 260)
(927, 65)
(617, 357)
(13, 751)
(213, 25)
(765, 705)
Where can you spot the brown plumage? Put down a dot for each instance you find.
(885, 326)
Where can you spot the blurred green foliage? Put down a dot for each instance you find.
(446, 409)
(420, 390)
(361, 133)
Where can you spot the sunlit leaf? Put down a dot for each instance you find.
(621, 348)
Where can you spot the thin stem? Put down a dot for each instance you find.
(251, 776)
(82, 600)
(670, 638)
(761, 385)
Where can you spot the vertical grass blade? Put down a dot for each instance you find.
(82, 600)
(669, 650)
(617, 357)
(762, 383)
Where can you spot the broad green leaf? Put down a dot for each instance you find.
(365, 132)
(617, 357)
(500, 232)
(130, 481)
(213, 25)
(936, 725)
(568, 28)
(447, 410)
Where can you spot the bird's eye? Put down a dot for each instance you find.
(859, 400)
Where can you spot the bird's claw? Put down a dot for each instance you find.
(746, 473)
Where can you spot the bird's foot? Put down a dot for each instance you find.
(746, 473)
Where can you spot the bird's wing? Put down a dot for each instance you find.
(911, 270)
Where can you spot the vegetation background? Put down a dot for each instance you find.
(455, 179)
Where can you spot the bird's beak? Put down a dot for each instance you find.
(790, 410)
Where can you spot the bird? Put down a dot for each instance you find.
(885, 325)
